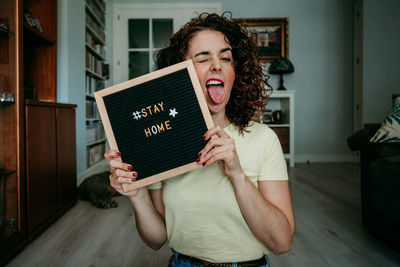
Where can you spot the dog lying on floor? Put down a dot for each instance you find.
(97, 190)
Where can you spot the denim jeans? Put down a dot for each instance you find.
(174, 261)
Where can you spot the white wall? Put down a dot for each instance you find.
(320, 47)
(381, 57)
(71, 67)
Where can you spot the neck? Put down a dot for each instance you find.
(220, 119)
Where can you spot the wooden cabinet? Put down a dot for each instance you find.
(37, 145)
(39, 49)
(12, 182)
(50, 162)
(41, 164)
(66, 156)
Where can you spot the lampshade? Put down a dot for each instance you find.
(281, 66)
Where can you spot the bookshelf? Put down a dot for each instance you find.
(96, 73)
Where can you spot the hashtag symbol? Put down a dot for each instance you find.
(136, 115)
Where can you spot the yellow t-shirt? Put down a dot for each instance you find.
(203, 218)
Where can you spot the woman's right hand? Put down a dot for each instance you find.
(150, 224)
(121, 173)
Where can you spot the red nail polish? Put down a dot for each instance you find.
(199, 155)
(134, 174)
(133, 179)
(130, 168)
(198, 160)
(204, 164)
(118, 154)
(204, 137)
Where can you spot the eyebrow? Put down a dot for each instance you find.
(223, 50)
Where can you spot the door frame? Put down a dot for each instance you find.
(358, 66)
(358, 119)
(180, 12)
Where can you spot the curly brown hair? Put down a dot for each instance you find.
(250, 90)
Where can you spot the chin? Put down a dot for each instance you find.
(216, 108)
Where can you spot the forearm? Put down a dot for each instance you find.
(150, 225)
(266, 221)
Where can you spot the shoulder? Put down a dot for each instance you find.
(259, 128)
(263, 137)
(255, 137)
(260, 132)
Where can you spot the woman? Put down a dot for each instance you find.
(236, 208)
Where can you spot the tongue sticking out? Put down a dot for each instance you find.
(217, 94)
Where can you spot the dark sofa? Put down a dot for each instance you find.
(380, 185)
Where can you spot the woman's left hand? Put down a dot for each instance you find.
(221, 149)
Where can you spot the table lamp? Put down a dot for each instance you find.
(281, 66)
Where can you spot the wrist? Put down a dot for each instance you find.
(140, 196)
(238, 179)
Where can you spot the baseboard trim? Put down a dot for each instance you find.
(323, 158)
(303, 158)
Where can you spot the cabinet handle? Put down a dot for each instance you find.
(12, 222)
(7, 98)
(5, 30)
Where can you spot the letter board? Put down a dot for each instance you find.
(157, 122)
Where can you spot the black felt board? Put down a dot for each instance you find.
(161, 149)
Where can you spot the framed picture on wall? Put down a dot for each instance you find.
(270, 35)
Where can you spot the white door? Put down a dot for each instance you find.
(140, 30)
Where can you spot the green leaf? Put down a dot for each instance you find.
(397, 118)
(388, 120)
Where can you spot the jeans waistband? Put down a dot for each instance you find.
(196, 261)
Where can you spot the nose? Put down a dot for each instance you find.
(215, 64)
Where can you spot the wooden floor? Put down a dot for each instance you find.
(326, 199)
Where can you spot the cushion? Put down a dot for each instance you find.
(361, 139)
(389, 132)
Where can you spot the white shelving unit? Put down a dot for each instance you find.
(284, 101)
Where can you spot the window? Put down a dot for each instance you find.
(146, 37)
(140, 30)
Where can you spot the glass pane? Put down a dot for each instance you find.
(138, 64)
(138, 33)
(154, 63)
(162, 31)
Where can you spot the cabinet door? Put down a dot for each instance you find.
(66, 157)
(11, 131)
(41, 164)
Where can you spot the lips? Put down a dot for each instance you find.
(215, 89)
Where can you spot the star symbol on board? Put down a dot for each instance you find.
(173, 112)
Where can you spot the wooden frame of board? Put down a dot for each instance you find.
(157, 122)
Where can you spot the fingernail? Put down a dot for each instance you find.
(204, 137)
(198, 160)
(118, 154)
(134, 174)
(130, 168)
(204, 164)
(133, 179)
(199, 155)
